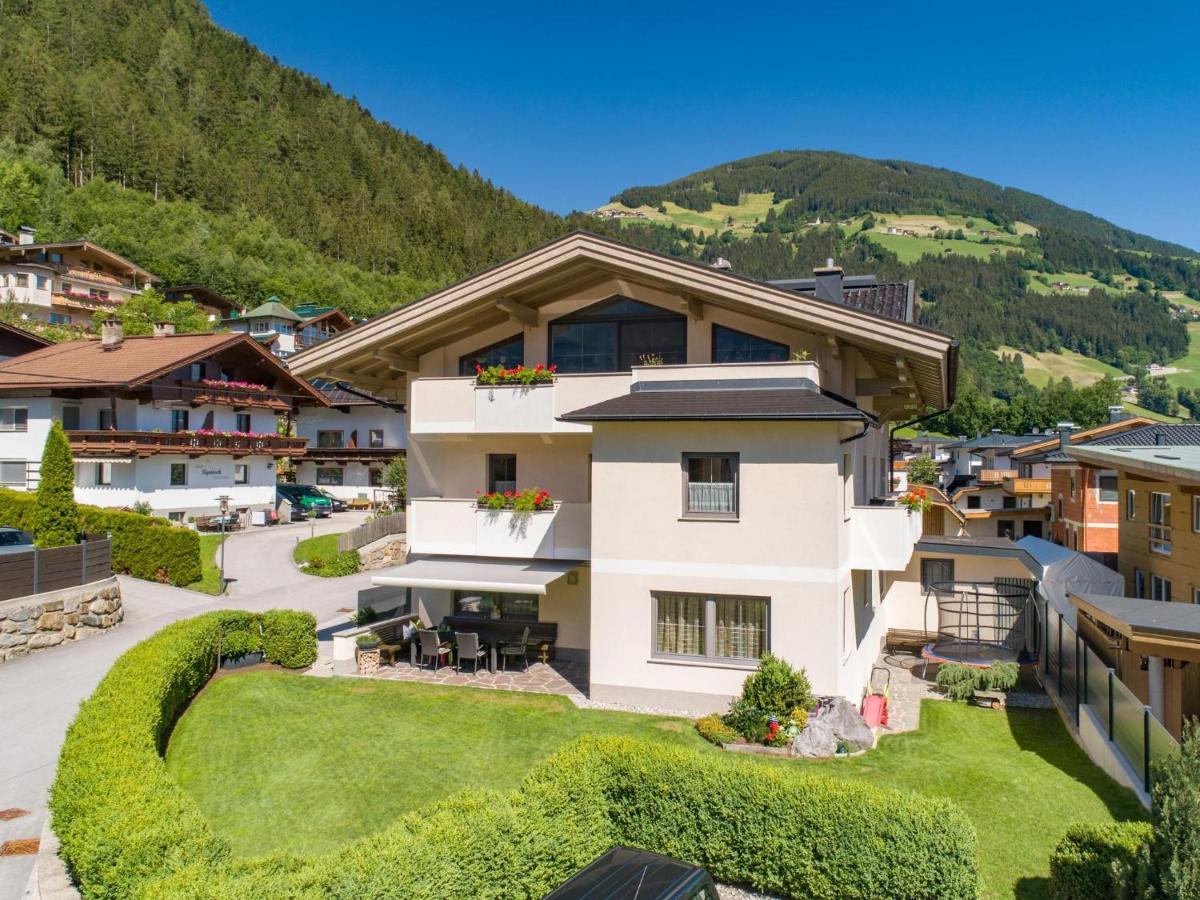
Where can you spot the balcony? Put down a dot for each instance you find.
(459, 406)
(996, 476)
(459, 528)
(1023, 486)
(148, 443)
(197, 393)
(345, 455)
(883, 537)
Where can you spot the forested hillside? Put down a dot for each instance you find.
(151, 95)
(813, 182)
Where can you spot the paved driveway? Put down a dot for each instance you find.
(40, 694)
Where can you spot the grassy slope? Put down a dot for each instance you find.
(909, 249)
(279, 760)
(210, 577)
(747, 214)
(1082, 370)
(1191, 362)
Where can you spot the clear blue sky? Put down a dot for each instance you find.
(565, 104)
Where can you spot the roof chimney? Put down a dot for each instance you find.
(1064, 433)
(164, 329)
(828, 282)
(25, 234)
(721, 263)
(1117, 413)
(112, 333)
(1160, 438)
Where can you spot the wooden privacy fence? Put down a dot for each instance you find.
(36, 571)
(371, 531)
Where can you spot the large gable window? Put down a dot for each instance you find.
(615, 334)
(730, 346)
(509, 353)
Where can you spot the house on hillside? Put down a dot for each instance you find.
(728, 499)
(66, 282)
(350, 441)
(217, 305)
(985, 459)
(285, 331)
(173, 421)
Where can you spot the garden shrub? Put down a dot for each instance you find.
(1175, 787)
(55, 515)
(1097, 862)
(143, 546)
(345, 563)
(961, 682)
(127, 829)
(775, 689)
(289, 638)
(712, 729)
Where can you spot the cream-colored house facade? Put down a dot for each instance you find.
(716, 449)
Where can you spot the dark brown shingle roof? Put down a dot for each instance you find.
(890, 299)
(744, 404)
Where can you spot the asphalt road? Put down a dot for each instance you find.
(40, 693)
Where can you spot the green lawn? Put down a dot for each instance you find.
(324, 546)
(278, 760)
(1191, 362)
(210, 577)
(1082, 370)
(910, 249)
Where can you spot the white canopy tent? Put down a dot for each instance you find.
(1059, 570)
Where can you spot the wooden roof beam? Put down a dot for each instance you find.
(518, 312)
(403, 362)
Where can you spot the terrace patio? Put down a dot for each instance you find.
(567, 678)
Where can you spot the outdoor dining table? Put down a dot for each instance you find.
(446, 636)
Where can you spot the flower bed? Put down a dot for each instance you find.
(128, 829)
(499, 375)
(528, 500)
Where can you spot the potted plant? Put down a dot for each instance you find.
(519, 375)
(368, 641)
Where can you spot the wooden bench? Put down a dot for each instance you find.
(908, 639)
(392, 634)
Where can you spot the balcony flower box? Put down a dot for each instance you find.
(234, 385)
(494, 376)
(528, 500)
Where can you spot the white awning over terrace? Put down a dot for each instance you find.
(501, 576)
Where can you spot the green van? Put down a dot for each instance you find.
(305, 499)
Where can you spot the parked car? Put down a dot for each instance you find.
(626, 873)
(14, 540)
(304, 499)
(339, 505)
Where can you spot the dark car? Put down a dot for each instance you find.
(339, 505)
(626, 873)
(304, 499)
(14, 540)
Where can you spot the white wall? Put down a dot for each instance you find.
(149, 480)
(360, 419)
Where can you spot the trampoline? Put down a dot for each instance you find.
(981, 622)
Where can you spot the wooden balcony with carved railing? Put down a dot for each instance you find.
(1025, 486)
(149, 443)
(197, 393)
(344, 455)
(996, 476)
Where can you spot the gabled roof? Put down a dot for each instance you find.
(334, 316)
(1040, 451)
(34, 341)
(518, 287)
(994, 440)
(18, 250)
(1170, 435)
(138, 360)
(273, 308)
(890, 299)
(200, 294)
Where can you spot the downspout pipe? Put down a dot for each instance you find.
(892, 441)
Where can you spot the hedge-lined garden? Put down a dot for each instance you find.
(128, 829)
(143, 546)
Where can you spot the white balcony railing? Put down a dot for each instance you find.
(459, 528)
(883, 537)
(459, 406)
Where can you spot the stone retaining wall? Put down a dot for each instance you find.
(384, 553)
(40, 621)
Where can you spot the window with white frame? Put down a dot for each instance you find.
(1160, 523)
(709, 626)
(710, 485)
(21, 280)
(241, 473)
(1130, 504)
(14, 418)
(12, 471)
(1108, 487)
(1160, 589)
(375, 438)
(330, 475)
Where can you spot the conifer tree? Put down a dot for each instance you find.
(56, 517)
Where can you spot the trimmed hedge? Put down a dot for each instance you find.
(143, 546)
(127, 829)
(288, 639)
(1098, 862)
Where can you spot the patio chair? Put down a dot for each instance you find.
(431, 647)
(469, 647)
(512, 651)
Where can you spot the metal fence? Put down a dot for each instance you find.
(371, 531)
(1073, 672)
(37, 571)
